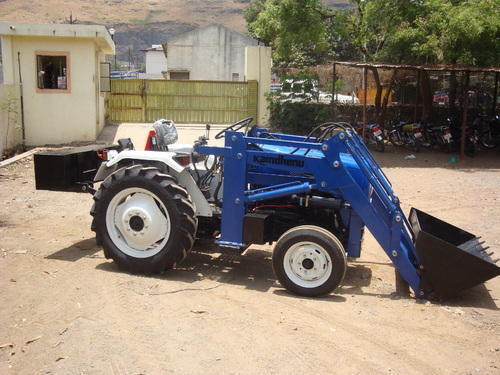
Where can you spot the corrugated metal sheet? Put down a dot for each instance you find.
(134, 100)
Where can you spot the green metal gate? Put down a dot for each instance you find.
(215, 102)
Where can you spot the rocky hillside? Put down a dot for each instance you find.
(138, 23)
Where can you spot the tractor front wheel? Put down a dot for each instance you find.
(309, 261)
(145, 221)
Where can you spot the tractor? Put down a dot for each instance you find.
(311, 196)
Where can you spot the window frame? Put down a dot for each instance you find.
(66, 54)
(175, 71)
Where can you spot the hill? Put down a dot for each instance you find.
(138, 23)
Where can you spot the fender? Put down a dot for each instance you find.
(166, 157)
(202, 207)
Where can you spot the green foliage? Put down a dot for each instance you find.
(470, 32)
(297, 118)
(294, 28)
(252, 12)
(304, 32)
(431, 31)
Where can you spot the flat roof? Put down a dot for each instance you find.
(154, 48)
(437, 68)
(97, 32)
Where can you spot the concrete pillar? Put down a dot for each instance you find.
(258, 65)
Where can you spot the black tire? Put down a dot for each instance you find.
(487, 141)
(169, 197)
(324, 241)
(380, 145)
(416, 145)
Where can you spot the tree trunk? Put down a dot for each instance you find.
(426, 95)
(386, 96)
(452, 95)
(378, 96)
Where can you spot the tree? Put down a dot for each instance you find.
(304, 33)
(426, 32)
(295, 29)
(396, 31)
(445, 32)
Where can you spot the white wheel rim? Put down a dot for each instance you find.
(138, 222)
(307, 264)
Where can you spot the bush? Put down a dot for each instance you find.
(301, 117)
(298, 118)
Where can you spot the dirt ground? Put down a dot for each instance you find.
(65, 309)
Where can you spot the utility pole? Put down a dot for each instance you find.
(129, 58)
(71, 20)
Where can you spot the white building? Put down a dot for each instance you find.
(64, 78)
(156, 62)
(213, 53)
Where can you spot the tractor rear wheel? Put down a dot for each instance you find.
(309, 261)
(144, 220)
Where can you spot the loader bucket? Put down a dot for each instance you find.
(452, 259)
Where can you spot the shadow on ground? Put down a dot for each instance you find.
(478, 296)
(254, 271)
(82, 249)
(395, 158)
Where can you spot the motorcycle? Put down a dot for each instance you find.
(471, 136)
(439, 135)
(374, 135)
(403, 134)
(489, 132)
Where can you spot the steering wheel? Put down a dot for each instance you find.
(234, 127)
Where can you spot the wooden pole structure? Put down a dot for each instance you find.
(495, 94)
(365, 95)
(465, 96)
(417, 95)
(334, 76)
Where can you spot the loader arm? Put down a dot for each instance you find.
(339, 167)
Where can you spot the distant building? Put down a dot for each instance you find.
(213, 53)
(64, 78)
(156, 62)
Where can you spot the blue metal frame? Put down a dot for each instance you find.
(341, 166)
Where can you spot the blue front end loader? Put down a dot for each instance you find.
(312, 196)
(315, 195)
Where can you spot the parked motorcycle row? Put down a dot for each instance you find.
(480, 133)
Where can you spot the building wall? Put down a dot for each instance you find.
(101, 96)
(57, 117)
(210, 53)
(156, 63)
